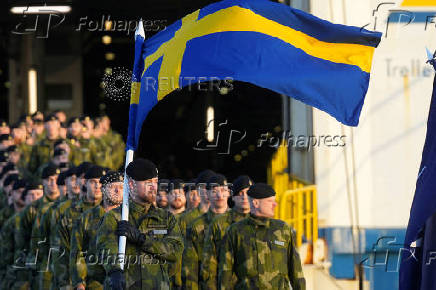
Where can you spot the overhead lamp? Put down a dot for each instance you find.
(40, 9)
(109, 56)
(106, 39)
(33, 89)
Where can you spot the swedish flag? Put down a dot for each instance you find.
(268, 44)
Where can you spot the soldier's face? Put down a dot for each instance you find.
(14, 157)
(75, 128)
(266, 206)
(93, 189)
(145, 190)
(72, 186)
(218, 196)
(16, 197)
(52, 128)
(5, 130)
(33, 195)
(113, 192)
(177, 198)
(50, 186)
(162, 198)
(194, 198)
(19, 134)
(241, 200)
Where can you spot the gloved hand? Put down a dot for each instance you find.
(117, 280)
(132, 234)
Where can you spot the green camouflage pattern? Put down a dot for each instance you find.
(147, 265)
(83, 269)
(187, 217)
(42, 152)
(117, 147)
(64, 227)
(212, 242)
(191, 263)
(5, 213)
(7, 249)
(261, 253)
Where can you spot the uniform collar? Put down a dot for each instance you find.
(259, 221)
(139, 208)
(237, 215)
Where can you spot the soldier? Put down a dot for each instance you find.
(85, 271)
(218, 192)
(38, 239)
(23, 233)
(15, 156)
(7, 235)
(192, 196)
(6, 141)
(43, 150)
(214, 234)
(19, 135)
(177, 205)
(162, 194)
(8, 210)
(153, 235)
(92, 198)
(260, 251)
(4, 128)
(115, 142)
(188, 216)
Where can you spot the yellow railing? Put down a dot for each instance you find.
(297, 201)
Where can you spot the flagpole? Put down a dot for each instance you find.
(124, 210)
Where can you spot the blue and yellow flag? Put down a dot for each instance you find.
(268, 44)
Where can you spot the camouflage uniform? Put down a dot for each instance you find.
(23, 238)
(26, 151)
(83, 266)
(212, 242)
(39, 246)
(116, 143)
(64, 227)
(193, 253)
(7, 251)
(5, 213)
(147, 264)
(187, 217)
(42, 152)
(45, 230)
(176, 280)
(261, 253)
(103, 154)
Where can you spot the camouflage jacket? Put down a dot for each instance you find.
(187, 217)
(147, 264)
(191, 263)
(5, 213)
(83, 253)
(41, 153)
(64, 227)
(261, 253)
(7, 248)
(212, 242)
(116, 144)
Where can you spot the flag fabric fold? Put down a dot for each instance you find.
(268, 44)
(417, 260)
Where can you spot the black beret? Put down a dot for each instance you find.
(70, 172)
(12, 148)
(50, 170)
(83, 167)
(3, 156)
(163, 184)
(241, 183)
(63, 166)
(177, 184)
(204, 176)
(85, 118)
(95, 172)
(216, 180)
(4, 137)
(59, 152)
(111, 176)
(51, 117)
(141, 169)
(189, 186)
(34, 185)
(11, 178)
(61, 178)
(59, 141)
(8, 167)
(20, 183)
(261, 190)
(38, 121)
(73, 120)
